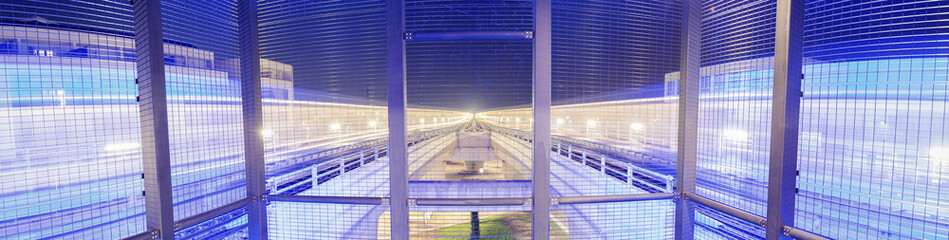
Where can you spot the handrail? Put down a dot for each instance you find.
(340, 165)
(470, 201)
(561, 147)
(329, 199)
(612, 198)
(738, 213)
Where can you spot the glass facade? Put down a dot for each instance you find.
(873, 144)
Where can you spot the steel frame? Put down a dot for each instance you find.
(690, 63)
(252, 107)
(398, 152)
(785, 114)
(540, 179)
(153, 114)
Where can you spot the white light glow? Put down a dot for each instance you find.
(266, 133)
(591, 123)
(940, 153)
(636, 126)
(735, 134)
(373, 123)
(560, 121)
(335, 127)
(112, 147)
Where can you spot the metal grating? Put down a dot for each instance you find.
(204, 111)
(287, 220)
(617, 220)
(872, 153)
(735, 103)
(70, 157)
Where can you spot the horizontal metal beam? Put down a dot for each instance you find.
(471, 201)
(462, 35)
(146, 235)
(207, 215)
(746, 216)
(328, 199)
(614, 198)
(801, 234)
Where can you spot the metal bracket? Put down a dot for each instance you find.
(385, 201)
(763, 223)
(528, 201)
(675, 197)
(156, 233)
(412, 202)
(407, 36)
(529, 34)
(554, 201)
(786, 231)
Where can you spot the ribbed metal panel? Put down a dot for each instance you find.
(604, 46)
(737, 29)
(336, 47)
(467, 15)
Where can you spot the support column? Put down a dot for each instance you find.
(540, 187)
(398, 153)
(786, 107)
(252, 106)
(153, 114)
(687, 139)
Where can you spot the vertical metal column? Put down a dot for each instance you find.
(786, 107)
(540, 187)
(398, 154)
(153, 114)
(252, 106)
(689, 65)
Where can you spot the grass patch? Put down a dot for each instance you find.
(556, 231)
(491, 228)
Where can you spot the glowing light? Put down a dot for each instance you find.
(373, 123)
(940, 153)
(560, 121)
(421, 120)
(266, 133)
(591, 123)
(335, 127)
(735, 134)
(113, 147)
(636, 126)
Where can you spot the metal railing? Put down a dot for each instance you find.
(628, 173)
(314, 174)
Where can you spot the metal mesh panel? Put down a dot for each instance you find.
(618, 220)
(735, 103)
(323, 83)
(470, 225)
(614, 127)
(873, 159)
(470, 75)
(462, 15)
(288, 220)
(712, 224)
(204, 111)
(70, 158)
(230, 225)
